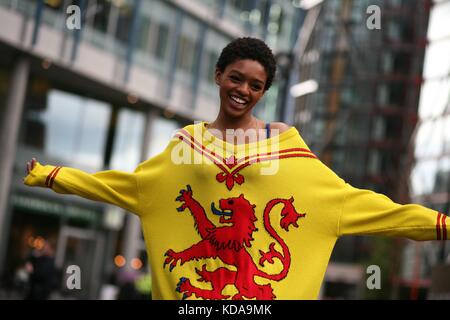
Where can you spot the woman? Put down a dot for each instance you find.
(239, 209)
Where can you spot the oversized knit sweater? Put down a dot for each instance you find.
(246, 221)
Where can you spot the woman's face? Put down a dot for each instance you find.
(241, 86)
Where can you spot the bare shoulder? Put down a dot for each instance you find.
(281, 126)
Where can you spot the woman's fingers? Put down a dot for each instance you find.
(31, 164)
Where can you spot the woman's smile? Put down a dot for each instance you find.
(241, 87)
(237, 102)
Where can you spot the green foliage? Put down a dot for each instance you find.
(144, 284)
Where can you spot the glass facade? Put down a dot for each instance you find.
(68, 128)
(432, 144)
(157, 35)
(65, 126)
(430, 174)
(79, 119)
(128, 140)
(357, 112)
(162, 130)
(156, 28)
(359, 119)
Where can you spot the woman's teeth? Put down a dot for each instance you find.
(238, 100)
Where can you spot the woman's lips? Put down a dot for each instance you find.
(236, 104)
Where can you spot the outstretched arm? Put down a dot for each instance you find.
(369, 213)
(111, 186)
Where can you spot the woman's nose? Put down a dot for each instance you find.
(243, 89)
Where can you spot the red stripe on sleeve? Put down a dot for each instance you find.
(438, 226)
(444, 227)
(49, 176)
(53, 177)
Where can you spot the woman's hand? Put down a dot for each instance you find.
(30, 165)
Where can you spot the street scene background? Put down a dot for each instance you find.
(103, 84)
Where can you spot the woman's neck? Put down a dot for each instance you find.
(248, 122)
(250, 125)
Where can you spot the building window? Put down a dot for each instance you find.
(161, 132)
(102, 10)
(128, 140)
(67, 126)
(438, 27)
(143, 33)
(162, 42)
(241, 5)
(124, 23)
(185, 55)
(436, 62)
(423, 177)
(211, 69)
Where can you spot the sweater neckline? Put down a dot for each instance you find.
(274, 141)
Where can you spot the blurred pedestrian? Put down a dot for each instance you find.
(126, 281)
(43, 273)
(22, 278)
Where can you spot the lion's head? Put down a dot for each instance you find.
(239, 213)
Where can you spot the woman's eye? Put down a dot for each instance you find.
(256, 88)
(234, 78)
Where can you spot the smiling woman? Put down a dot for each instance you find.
(241, 89)
(218, 226)
(244, 72)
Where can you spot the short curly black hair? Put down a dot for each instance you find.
(249, 48)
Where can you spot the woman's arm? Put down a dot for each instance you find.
(365, 212)
(111, 186)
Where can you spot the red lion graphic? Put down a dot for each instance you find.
(228, 243)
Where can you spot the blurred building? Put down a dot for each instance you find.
(362, 115)
(107, 96)
(430, 175)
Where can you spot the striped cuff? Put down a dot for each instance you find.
(441, 227)
(51, 177)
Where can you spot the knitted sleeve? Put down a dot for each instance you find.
(365, 212)
(110, 186)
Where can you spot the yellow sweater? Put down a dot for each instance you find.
(256, 221)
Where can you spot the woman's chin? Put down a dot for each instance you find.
(236, 111)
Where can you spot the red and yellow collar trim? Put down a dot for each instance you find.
(231, 166)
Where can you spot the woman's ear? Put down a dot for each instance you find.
(217, 75)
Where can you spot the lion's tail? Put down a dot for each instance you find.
(285, 258)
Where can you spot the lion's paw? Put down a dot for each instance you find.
(184, 285)
(185, 195)
(172, 259)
